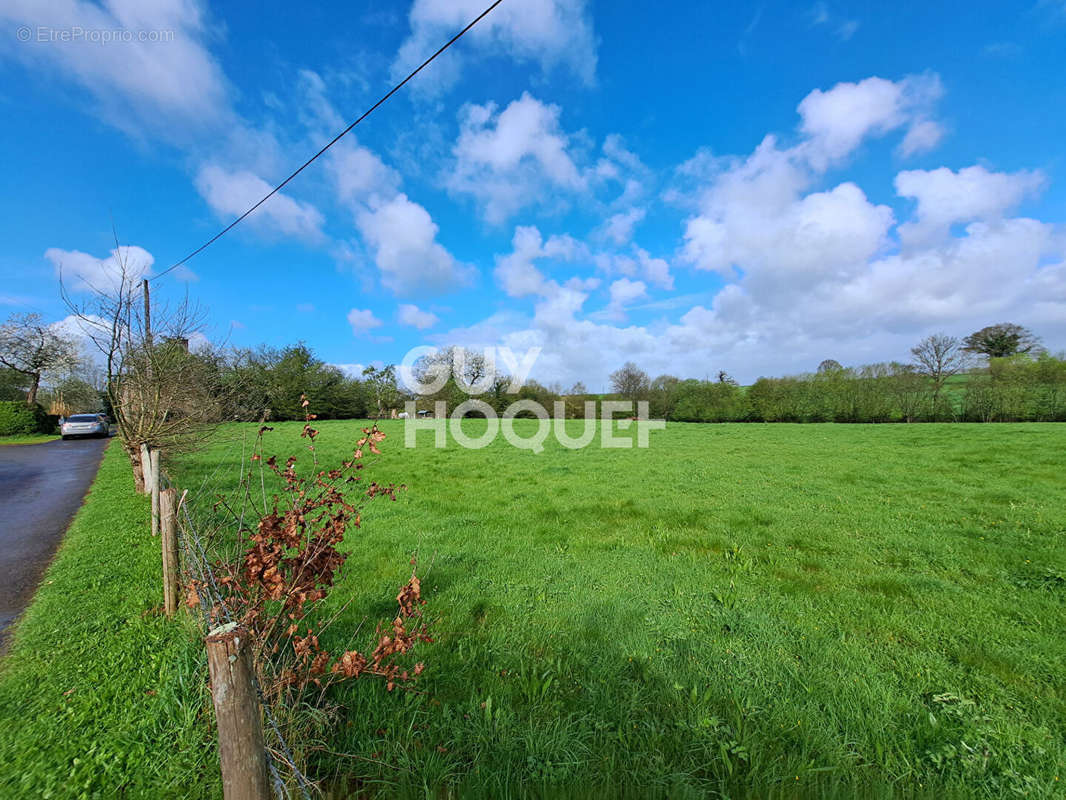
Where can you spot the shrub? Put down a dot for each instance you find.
(19, 419)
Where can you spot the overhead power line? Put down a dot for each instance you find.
(332, 142)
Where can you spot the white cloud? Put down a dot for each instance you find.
(198, 342)
(230, 194)
(161, 85)
(811, 271)
(847, 29)
(946, 198)
(995, 269)
(411, 261)
(922, 136)
(756, 219)
(83, 272)
(516, 273)
(360, 174)
(836, 121)
(814, 272)
(512, 159)
(412, 315)
(172, 86)
(637, 261)
(353, 370)
(819, 14)
(656, 270)
(551, 33)
(755, 215)
(612, 263)
(1011, 269)
(624, 292)
(85, 330)
(618, 228)
(184, 274)
(362, 320)
(399, 233)
(521, 158)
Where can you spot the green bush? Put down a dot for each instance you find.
(19, 419)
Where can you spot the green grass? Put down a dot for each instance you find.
(751, 610)
(100, 696)
(30, 438)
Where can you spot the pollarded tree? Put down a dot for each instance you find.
(161, 396)
(31, 348)
(1000, 341)
(631, 382)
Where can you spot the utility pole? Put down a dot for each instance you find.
(147, 317)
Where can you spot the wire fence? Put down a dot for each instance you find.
(197, 572)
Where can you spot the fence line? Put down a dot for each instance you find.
(197, 565)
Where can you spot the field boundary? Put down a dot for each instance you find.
(198, 573)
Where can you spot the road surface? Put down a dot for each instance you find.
(41, 487)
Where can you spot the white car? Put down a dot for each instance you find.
(84, 425)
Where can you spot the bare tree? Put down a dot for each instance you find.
(631, 382)
(32, 348)
(938, 357)
(160, 394)
(460, 363)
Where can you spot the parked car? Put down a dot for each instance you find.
(84, 425)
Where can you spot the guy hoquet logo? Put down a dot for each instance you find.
(427, 370)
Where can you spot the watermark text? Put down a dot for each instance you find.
(47, 34)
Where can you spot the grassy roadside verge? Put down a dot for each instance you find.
(31, 438)
(100, 696)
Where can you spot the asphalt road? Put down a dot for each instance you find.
(41, 487)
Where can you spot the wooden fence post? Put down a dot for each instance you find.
(168, 529)
(241, 747)
(146, 468)
(153, 466)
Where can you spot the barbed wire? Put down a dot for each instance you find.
(196, 564)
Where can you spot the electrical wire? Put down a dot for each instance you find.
(332, 142)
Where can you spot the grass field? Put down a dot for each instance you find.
(30, 438)
(100, 696)
(751, 610)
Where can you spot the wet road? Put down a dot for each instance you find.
(41, 487)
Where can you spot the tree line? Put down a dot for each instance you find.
(997, 374)
(242, 384)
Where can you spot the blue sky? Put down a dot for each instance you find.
(691, 186)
